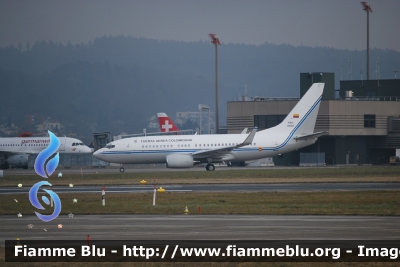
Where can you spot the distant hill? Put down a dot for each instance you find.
(115, 83)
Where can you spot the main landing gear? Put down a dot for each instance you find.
(122, 169)
(210, 167)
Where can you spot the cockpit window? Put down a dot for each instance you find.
(110, 146)
(78, 144)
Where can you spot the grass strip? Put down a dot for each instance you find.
(293, 203)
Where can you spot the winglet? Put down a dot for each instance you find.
(249, 138)
(244, 131)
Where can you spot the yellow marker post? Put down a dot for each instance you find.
(160, 190)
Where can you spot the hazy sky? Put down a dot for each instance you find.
(333, 23)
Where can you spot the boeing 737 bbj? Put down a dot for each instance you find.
(17, 149)
(295, 131)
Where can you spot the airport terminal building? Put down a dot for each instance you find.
(362, 119)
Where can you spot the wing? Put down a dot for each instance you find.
(223, 153)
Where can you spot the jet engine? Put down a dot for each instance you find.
(179, 161)
(19, 160)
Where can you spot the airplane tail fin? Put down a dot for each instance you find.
(166, 124)
(301, 119)
(91, 146)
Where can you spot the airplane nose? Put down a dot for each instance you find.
(97, 155)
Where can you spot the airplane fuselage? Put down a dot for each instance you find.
(16, 150)
(155, 149)
(34, 145)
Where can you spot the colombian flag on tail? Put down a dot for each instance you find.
(296, 115)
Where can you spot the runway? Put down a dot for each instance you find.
(289, 187)
(150, 168)
(202, 227)
(128, 169)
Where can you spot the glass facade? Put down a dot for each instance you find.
(369, 121)
(267, 121)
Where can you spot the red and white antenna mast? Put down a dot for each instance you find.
(367, 8)
(215, 41)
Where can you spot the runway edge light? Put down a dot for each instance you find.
(160, 190)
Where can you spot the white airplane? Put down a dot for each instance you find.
(296, 131)
(166, 124)
(16, 150)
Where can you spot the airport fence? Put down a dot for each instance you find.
(312, 159)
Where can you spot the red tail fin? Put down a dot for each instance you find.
(166, 124)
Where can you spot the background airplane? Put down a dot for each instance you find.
(16, 150)
(295, 131)
(166, 124)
